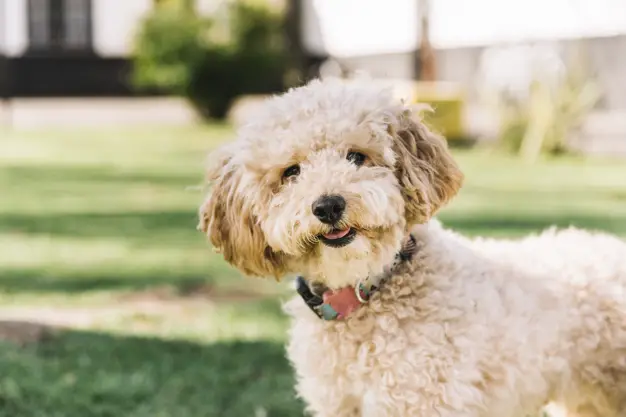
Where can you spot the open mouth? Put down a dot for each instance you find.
(338, 237)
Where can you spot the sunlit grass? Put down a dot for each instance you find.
(97, 233)
(505, 197)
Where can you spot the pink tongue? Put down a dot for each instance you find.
(337, 235)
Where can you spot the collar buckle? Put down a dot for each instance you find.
(363, 292)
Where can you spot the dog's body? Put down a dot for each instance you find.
(477, 328)
(328, 182)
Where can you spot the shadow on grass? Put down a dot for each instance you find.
(38, 281)
(534, 194)
(519, 224)
(99, 174)
(83, 374)
(132, 224)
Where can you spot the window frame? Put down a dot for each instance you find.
(57, 25)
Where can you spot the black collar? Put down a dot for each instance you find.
(364, 288)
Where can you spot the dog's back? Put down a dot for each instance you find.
(591, 267)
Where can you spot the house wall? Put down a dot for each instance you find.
(605, 61)
(4, 67)
(382, 40)
(345, 29)
(603, 131)
(15, 37)
(105, 71)
(115, 24)
(2, 26)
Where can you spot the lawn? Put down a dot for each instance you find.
(98, 239)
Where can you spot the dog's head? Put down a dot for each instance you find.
(326, 182)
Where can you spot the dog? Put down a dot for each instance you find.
(339, 182)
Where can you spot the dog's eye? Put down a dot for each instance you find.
(292, 171)
(357, 158)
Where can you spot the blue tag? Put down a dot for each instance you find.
(328, 312)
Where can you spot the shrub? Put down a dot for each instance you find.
(168, 49)
(211, 62)
(543, 120)
(544, 123)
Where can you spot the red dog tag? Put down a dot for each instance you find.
(343, 301)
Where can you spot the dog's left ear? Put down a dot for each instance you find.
(428, 175)
(227, 218)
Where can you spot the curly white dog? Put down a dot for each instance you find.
(338, 181)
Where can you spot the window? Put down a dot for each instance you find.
(59, 25)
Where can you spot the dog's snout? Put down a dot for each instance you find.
(329, 208)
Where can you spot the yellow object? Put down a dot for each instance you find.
(448, 103)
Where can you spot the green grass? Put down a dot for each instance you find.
(97, 233)
(504, 197)
(112, 209)
(87, 374)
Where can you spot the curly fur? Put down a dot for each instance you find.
(469, 327)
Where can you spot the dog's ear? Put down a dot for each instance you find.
(425, 169)
(227, 218)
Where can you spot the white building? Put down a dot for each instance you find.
(480, 45)
(69, 47)
(382, 37)
(83, 47)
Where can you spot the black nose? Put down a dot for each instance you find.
(329, 208)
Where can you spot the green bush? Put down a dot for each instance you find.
(211, 62)
(544, 120)
(168, 48)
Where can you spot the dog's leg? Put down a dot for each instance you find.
(324, 402)
(404, 401)
(584, 409)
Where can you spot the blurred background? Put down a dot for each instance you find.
(112, 304)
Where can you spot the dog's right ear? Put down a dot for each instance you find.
(227, 218)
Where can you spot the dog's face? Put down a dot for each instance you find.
(326, 182)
